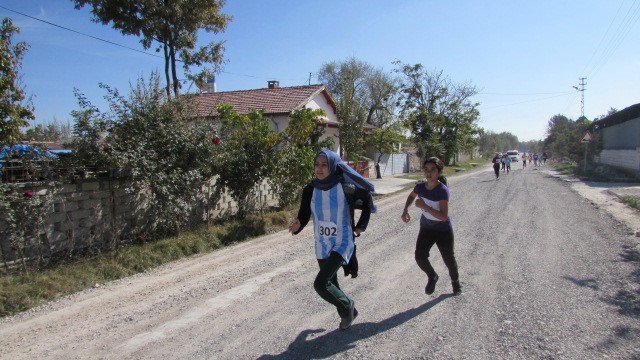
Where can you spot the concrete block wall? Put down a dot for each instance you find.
(99, 214)
(625, 159)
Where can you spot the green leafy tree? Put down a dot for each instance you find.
(171, 26)
(364, 95)
(52, 132)
(299, 143)
(166, 152)
(15, 109)
(491, 142)
(439, 113)
(89, 128)
(346, 82)
(563, 137)
(247, 155)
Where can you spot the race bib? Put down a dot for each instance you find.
(327, 228)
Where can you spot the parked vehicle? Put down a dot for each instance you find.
(514, 155)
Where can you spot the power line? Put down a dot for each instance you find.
(595, 50)
(524, 94)
(133, 49)
(83, 34)
(523, 102)
(623, 29)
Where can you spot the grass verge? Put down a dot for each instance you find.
(20, 292)
(598, 173)
(565, 168)
(632, 201)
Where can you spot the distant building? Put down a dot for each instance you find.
(620, 139)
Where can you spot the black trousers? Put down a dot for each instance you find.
(496, 169)
(444, 241)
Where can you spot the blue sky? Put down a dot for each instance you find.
(524, 56)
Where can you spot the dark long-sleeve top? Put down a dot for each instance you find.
(304, 213)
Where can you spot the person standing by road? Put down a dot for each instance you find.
(326, 197)
(496, 165)
(524, 160)
(435, 225)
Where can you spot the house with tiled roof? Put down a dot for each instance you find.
(277, 103)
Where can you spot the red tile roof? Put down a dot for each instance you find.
(272, 101)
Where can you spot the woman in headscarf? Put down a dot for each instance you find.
(330, 198)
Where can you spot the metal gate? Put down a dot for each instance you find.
(391, 164)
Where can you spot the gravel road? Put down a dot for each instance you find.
(545, 274)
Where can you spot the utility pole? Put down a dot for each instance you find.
(310, 78)
(581, 89)
(586, 143)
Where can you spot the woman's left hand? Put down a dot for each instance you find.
(358, 231)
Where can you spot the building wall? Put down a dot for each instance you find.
(320, 102)
(280, 122)
(100, 214)
(624, 159)
(623, 136)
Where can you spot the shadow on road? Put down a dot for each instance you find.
(590, 283)
(626, 300)
(337, 341)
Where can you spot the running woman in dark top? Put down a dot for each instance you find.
(435, 225)
(496, 165)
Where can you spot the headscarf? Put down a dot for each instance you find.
(339, 171)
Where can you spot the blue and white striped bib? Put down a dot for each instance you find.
(332, 223)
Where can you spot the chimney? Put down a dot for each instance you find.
(210, 86)
(273, 84)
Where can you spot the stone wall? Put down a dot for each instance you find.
(99, 214)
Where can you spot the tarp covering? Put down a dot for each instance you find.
(21, 150)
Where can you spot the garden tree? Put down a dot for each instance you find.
(166, 153)
(491, 142)
(15, 110)
(89, 126)
(364, 95)
(246, 156)
(299, 143)
(171, 26)
(461, 130)
(305, 129)
(596, 143)
(346, 82)
(531, 146)
(440, 114)
(563, 137)
(382, 96)
(53, 132)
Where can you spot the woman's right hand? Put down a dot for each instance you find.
(295, 226)
(405, 216)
